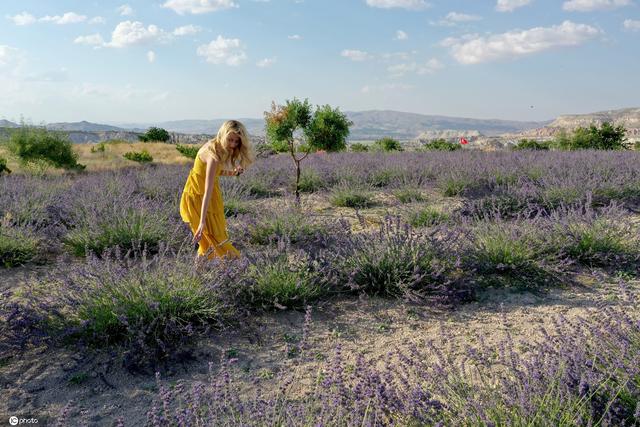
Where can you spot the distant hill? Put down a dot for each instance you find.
(377, 123)
(7, 124)
(367, 125)
(83, 126)
(628, 117)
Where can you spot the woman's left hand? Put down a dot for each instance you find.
(238, 170)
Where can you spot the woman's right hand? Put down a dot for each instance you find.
(198, 234)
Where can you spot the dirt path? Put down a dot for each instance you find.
(41, 382)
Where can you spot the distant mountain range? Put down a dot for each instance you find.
(367, 125)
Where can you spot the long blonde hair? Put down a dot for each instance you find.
(219, 145)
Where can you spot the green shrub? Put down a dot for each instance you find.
(408, 195)
(310, 181)
(359, 147)
(98, 148)
(382, 177)
(350, 198)
(453, 186)
(18, 246)
(187, 151)
(605, 137)
(441, 144)
(601, 243)
(511, 255)
(531, 144)
(129, 229)
(234, 207)
(277, 283)
(3, 166)
(33, 144)
(155, 134)
(291, 224)
(138, 156)
(427, 217)
(388, 144)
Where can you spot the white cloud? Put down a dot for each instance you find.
(294, 37)
(512, 44)
(128, 33)
(125, 10)
(631, 25)
(429, 67)
(90, 40)
(97, 20)
(454, 18)
(23, 18)
(403, 56)
(67, 18)
(266, 62)
(223, 51)
(404, 4)
(186, 30)
(355, 55)
(589, 5)
(511, 5)
(198, 6)
(151, 56)
(401, 35)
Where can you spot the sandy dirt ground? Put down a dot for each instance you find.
(42, 381)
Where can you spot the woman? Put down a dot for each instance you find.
(201, 204)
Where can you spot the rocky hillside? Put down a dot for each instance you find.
(628, 117)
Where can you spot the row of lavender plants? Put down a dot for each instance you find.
(92, 212)
(581, 372)
(150, 304)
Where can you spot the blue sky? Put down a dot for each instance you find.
(155, 60)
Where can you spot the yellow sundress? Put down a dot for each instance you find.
(214, 236)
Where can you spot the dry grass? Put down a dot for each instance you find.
(112, 157)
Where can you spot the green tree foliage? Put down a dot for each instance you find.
(3, 166)
(328, 129)
(187, 151)
(358, 147)
(605, 137)
(388, 144)
(138, 156)
(293, 125)
(155, 134)
(531, 144)
(33, 144)
(441, 144)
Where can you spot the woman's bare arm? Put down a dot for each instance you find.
(208, 188)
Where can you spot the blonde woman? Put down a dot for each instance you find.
(201, 205)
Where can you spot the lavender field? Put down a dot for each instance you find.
(414, 288)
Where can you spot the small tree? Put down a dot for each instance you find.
(3, 166)
(606, 137)
(293, 124)
(441, 144)
(155, 134)
(388, 144)
(37, 145)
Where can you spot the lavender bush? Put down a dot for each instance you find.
(584, 372)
